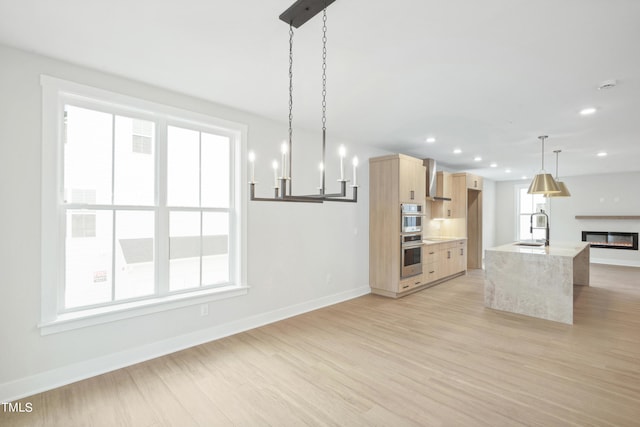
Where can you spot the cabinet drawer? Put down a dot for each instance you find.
(411, 283)
(430, 272)
(430, 254)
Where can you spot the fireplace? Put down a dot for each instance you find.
(611, 239)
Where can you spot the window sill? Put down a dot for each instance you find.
(96, 316)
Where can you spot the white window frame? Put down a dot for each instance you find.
(55, 93)
(517, 189)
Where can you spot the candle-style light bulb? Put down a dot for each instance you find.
(274, 165)
(284, 148)
(321, 169)
(342, 151)
(252, 160)
(355, 167)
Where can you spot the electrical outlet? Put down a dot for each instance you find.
(204, 310)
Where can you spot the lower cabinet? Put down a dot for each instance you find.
(430, 263)
(442, 260)
(411, 282)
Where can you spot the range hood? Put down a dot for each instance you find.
(432, 178)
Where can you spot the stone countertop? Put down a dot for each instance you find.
(437, 240)
(559, 249)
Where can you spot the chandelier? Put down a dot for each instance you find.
(299, 13)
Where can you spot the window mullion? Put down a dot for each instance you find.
(200, 200)
(61, 210)
(113, 212)
(162, 219)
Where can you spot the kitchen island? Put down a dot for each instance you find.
(536, 280)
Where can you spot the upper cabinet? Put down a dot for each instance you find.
(443, 209)
(412, 180)
(444, 184)
(459, 197)
(474, 182)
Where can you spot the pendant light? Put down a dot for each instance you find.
(564, 191)
(543, 182)
(299, 13)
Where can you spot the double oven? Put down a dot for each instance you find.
(412, 218)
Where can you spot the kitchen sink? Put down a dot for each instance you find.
(536, 244)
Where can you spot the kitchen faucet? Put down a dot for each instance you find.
(546, 227)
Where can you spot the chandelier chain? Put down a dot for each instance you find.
(324, 69)
(290, 83)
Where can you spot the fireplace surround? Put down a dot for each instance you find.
(611, 239)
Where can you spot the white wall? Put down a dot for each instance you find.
(610, 194)
(300, 256)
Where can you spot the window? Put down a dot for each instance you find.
(526, 204)
(149, 206)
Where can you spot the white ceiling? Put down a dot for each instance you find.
(487, 77)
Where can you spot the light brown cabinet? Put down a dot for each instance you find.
(474, 182)
(452, 258)
(431, 263)
(442, 260)
(443, 209)
(412, 180)
(468, 206)
(459, 196)
(393, 180)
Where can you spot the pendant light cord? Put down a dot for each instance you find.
(324, 94)
(542, 138)
(290, 102)
(324, 70)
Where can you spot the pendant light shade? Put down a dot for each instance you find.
(543, 183)
(564, 191)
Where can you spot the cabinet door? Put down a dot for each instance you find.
(443, 189)
(420, 181)
(413, 177)
(407, 185)
(404, 184)
(474, 182)
(461, 257)
(441, 209)
(459, 196)
(444, 264)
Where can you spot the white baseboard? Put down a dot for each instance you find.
(621, 262)
(49, 380)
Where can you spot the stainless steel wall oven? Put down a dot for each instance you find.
(412, 217)
(411, 259)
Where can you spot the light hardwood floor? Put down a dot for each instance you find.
(437, 357)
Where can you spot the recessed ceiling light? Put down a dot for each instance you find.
(608, 84)
(494, 165)
(457, 151)
(587, 111)
(524, 176)
(477, 158)
(602, 154)
(431, 139)
(507, 170)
